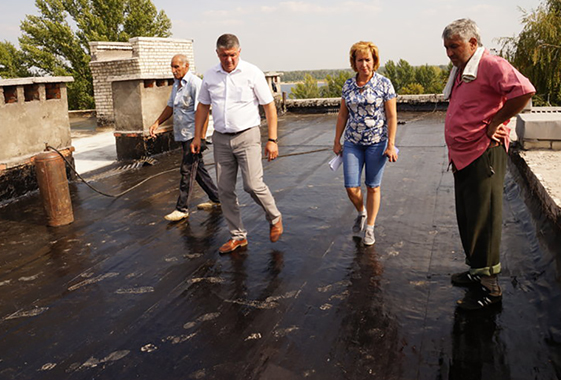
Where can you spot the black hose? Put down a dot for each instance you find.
(99, 191)
(192, 179)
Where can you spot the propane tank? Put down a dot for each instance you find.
(53, 187)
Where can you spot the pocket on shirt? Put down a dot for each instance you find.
(244, 94)
(186, 101)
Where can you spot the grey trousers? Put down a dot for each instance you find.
(241, 151)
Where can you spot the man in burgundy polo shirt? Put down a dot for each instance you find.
(485, 91)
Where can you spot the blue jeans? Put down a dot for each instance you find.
(372, 157)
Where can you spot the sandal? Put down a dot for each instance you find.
(478, 299)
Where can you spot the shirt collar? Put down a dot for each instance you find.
(239, 67)
(186, 79)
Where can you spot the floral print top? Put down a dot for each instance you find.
(367, 122)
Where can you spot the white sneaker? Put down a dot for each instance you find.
(176, 215)
(369, 238)
(209, 205)
(359, 224)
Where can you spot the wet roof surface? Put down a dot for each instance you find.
(123, 294)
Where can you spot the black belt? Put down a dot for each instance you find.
(234, 133)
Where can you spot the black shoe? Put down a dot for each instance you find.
(478, 299)
(465, 279)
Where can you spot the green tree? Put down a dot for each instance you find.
(445, 73)
(12, 62)
(536, 51)
(400, 75)
(430, 79)
(307, 90)
(412, 89)
(334, 84)
(390, 72)
(298, 75)
(405, 73)
(57, 40)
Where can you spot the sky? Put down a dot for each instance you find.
(317, 34)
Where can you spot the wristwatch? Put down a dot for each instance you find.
(274, 140)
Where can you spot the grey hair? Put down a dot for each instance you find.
(182, 58)
(463, 28)
(227, 41)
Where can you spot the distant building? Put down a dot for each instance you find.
(141, 57)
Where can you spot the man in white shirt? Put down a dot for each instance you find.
(235, 89)
(182, 104)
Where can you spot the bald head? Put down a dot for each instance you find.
(179, 66)
(182, 58)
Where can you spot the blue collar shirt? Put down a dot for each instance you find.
(184, 100)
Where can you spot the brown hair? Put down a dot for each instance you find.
(227, 41)
(363, 47)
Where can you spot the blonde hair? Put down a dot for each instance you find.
(363, 47)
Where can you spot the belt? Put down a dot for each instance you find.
(494, 144)
(234, 133)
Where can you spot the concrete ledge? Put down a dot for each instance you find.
(427, 102)
(540, 170)
(141, 76)
(539, 126)
(545, 109)
(34, 80)
(161, 40)
(314, 105)
(422, 103)
(81, 113)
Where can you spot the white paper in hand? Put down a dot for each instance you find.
(336, 162)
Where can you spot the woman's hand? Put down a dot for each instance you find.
(391, 152)
(337, 148)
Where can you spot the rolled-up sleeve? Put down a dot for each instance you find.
(261, 89)
(204, 94)
(508, 81)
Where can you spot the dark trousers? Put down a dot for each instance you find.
(202, 177)
(479, 207)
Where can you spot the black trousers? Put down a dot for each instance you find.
(201, 176)
(479, 210)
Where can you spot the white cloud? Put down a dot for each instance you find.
(266, 9)
(303, 7)
(483, 8)
(344, 7)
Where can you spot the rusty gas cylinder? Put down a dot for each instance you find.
(53, 186)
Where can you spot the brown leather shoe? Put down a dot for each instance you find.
(231, 245)
(276, 231)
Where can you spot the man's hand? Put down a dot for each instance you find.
(153, 129)
(271, 150)
(196, 145)
(499, 134)
(496, 130)
(166, 114)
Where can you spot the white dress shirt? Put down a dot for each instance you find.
(235, 96)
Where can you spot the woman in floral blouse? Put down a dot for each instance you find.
(368, 118)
